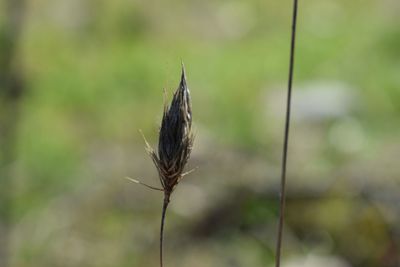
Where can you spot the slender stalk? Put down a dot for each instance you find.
(164, 211)
(286, 138)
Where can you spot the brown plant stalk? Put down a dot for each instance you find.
(286, 138)
(174, 147)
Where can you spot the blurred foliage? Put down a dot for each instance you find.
(94, 74)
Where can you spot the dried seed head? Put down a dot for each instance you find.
(175, 138)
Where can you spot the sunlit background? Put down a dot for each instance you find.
(79, 78)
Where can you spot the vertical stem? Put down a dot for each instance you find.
(286, 138)
(164, 211)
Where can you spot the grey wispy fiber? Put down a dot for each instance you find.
(174, 146)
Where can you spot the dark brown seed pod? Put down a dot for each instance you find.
(175, 139)
(174, 146)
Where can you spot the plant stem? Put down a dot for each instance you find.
(286, 138)
(164, 211)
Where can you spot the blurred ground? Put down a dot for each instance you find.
(85, 76)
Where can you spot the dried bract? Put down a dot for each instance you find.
(175, 139)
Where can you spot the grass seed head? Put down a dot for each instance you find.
(175, 138)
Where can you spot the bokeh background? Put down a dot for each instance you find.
(79, 78)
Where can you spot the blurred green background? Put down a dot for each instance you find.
(79, 78)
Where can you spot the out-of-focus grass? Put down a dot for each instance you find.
(96, 70)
